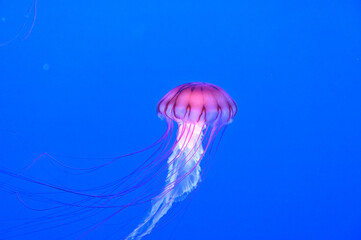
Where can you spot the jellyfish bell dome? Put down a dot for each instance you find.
(198, 102)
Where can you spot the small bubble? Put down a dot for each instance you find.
(3, 19)
(46, 67)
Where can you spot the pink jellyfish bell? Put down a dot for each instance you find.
(200, 110)
(198, 102)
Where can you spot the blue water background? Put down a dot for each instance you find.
(87, 80)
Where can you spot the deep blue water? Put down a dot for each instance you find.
(87, 80)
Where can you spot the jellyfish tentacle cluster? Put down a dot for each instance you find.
(183, 176)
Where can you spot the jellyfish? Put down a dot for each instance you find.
(27, 27)
(195, 107)
(172, 170)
